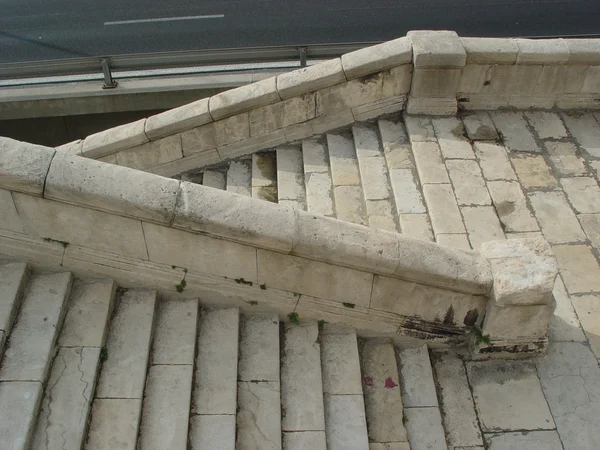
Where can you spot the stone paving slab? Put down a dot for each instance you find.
(212, 432)
(12, 283)
(346, 425)
(259, 348)
(258, 416)
(533, 171)
(175, 336)
(531, 440)
(313, 440)
(418, 387)
(19, 403)
(115, 424)
(340, 364)
(424, 428)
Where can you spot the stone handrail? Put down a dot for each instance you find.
(138, 227)
(426, 72)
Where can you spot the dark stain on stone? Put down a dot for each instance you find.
(471, 317)
(505, 208)
(487, 82)
(265, 162)
(449, 316)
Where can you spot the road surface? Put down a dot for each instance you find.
(51, 29)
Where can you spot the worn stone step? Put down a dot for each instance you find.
(13, 277)
(264, 176)
(239, 177)
(317, 177)
(28, 356)
(62, 421)
(259, 404)
(381, 387)
(345, 421)
(167, 396)
(117, 404)
(302, 387)
(423, 418)
(290, 177)
(214, 179)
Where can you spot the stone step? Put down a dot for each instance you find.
(317, 177)
(62, 421)
(381, 386)
(214, 404)
(303, 424)
(258, 396)
(421, 409)
(345, 421)
(239, 177)
(166, 406)
(29, 354)
(117, 405)
(290, 177)
(264, 176)
(13, 277)
(214, 179)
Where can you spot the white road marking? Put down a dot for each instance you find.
(164, 19)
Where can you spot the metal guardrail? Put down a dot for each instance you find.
(147, 61)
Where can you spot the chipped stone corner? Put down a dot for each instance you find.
(521, 303)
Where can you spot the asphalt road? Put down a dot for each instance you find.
(52, 29)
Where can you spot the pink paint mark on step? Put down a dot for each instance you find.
(389, 383)
(368, 381)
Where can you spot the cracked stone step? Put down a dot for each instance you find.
(302, 387)
(214, 179)
(319, 187)
(117, 405)
(13, 277)
(239, 177)
(383, 400)
(258, 401)
(67, 399)
(290, 177)
(264, 176)
(345, 421)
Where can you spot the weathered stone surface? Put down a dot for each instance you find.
(214, 179)
(437, 49)
(583, 193)
(583, 51)
(588, 311)
(479, 126)
(591, 226)
(282, 114)
(212, 432)
(241, 99)
(523, 440)
(537, 51)
(304, 439)
(317, 126)
(514, 132)
(406, 191)
(377, 58)
(517, 324)
(524, 271)
(319, 195)
(458, 409)
(494, 161)
(174, 340)
(231, 130)
(508, 396)
(239, 177)
(418, 388)
(24, 166)
(115, 423)
(259, 349)
(290, 175)
(383, 401)
(124, 372)
(436, 83)
(469, 186)
(396, 146)
(490, 50)
(259, 416)
(586, 130)
(452, 139)
(200, 253)
(177, 120)
(309, 79)
(9, 220)
(482, 225)
(570, 378)
(443, 210)
(424, 428)
(374, 175)
(345, 422)
(114, 139)
(237, 218)
(419, 129)
(301, 383)
(349, 204)
(416, 226)
(20, 403)
(565, 323)
(381, 215)
(345, 96)
(546, 124)
(215, 389)
(186, 163)
(578, 267)
(564, 157)
(428, 159)
(340, 364)
(90, 307)
(28, 356)
(75, 225)
(165, 415)
(556, 218)
(343, 160)
(151, 153)
(454, 240)
(71, 147)
(13, 277)
(201, 139)
(511, 206)
(389, 446)
(64, 411)
(106, 187)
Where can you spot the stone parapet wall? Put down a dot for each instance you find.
(145, 230)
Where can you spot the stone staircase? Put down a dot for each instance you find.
(89, 365)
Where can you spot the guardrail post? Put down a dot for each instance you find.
(109, 83)
(302, 54)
